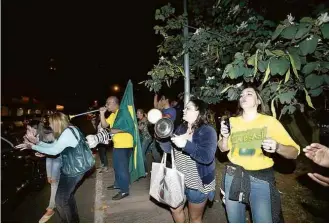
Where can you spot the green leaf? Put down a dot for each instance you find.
(277, 31)
(289, 32)
(324, 64)
(262, 65)
(316, 92)
(313, 81)
(302, 30)
(286, 97)
(225, 89)
(306, 20)
(294, 59)
(308, 99)
(286, 79)
(308, 45)
(267, 73)
(325, 30)
(251, 60)
(279, 66)
(309, 67)
(326, 79)
(256, 62)
(273, 108)
(278, 52)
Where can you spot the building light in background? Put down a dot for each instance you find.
(59, 107)
(25, 99)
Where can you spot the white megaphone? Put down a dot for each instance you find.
(163, 127)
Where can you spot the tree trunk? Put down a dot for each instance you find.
(314, 127)
(296, 133)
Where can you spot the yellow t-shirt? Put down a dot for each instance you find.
(120, 140)
(246, 139)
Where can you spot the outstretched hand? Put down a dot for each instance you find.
(24, 146)
(324, 181)
(318, 153)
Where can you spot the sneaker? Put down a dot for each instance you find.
(112, 187)
(119, 196)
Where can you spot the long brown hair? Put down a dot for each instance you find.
(59, 123)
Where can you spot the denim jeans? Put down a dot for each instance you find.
(259, 199)
(121, 159)
(65, 201)
(102, 150)
(53, 168)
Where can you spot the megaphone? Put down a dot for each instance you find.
(163, 127)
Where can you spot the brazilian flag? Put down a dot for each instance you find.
(126, 121)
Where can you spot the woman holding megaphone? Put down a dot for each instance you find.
(194, 145)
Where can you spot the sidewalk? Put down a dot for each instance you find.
(138, 207)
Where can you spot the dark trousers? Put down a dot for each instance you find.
(121, 159)
(102, 150)
(65, 201)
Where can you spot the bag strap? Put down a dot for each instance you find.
(173, 165)
(75, 135)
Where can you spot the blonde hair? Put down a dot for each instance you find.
(59, 123)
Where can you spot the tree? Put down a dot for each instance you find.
(233, 44)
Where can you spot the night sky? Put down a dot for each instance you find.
(94, 45)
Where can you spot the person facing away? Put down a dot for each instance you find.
(194, 145)
(251, 139)
(67, 137)
(122, 149)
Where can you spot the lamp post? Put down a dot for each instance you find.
(186, 60)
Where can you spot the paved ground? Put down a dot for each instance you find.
(95, 203)
(139, 207)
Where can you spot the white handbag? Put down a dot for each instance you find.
(167, 184)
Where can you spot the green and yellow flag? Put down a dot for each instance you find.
(126, 120)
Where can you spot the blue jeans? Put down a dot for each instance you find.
(102, 150)
(53, 167)
(65, 201)
(121, 168)
(197, 197)
(259, 199)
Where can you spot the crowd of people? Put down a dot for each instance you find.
(250, 138)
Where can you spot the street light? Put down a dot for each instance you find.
(116, 88)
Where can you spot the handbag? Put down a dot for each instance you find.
(167, 185)
(77, 160)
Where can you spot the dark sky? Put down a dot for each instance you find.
(94, 45)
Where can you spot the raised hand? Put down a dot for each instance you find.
(318, 153)
(224, 130)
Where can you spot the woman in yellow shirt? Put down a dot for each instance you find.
(249, 178)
